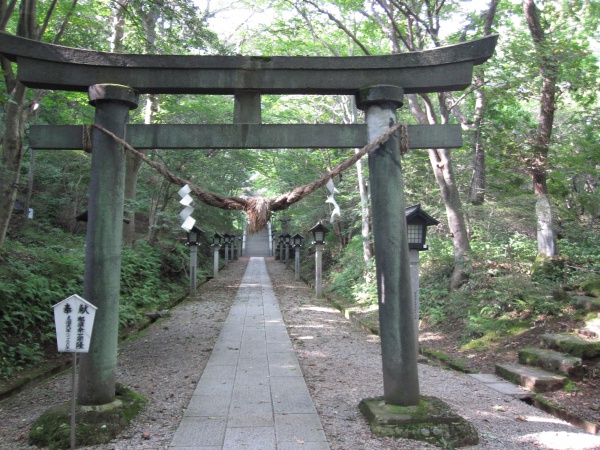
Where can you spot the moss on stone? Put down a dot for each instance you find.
(94, 425)
(571, 344)
(431, 421)
(446, 359)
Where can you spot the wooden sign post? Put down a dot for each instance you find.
(74, 321)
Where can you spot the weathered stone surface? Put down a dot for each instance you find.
(504, 387)
(574, 345)
(431, 421)
(48, 66)
(141, 137)
(534, 379)
(552, 360)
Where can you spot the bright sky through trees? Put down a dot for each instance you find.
(230, 17)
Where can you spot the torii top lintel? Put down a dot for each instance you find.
(47, 66)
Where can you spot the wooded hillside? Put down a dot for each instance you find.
(518, 203)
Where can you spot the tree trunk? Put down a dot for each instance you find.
(548, 67)
(15, 118)
(133, 162)
(441, 163)
(444, 175)
(118, 27)
(365, 214)
(365, 211)
(16, 112)
(477, 186)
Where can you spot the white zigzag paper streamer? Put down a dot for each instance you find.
(330, 199)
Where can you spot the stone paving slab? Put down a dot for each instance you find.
(252, 393)
(504, 387)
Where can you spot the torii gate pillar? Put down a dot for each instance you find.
(398, 347)
(101, 284)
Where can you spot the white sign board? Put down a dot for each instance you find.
(74, 320)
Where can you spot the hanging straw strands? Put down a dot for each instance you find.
(258, 208)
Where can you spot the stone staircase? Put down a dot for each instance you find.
(560, 356)
(257, 244)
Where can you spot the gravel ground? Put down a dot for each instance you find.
(341, 364)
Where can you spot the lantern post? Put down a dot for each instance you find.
(297, 240)
(232, 242)
(280, 247)
(417, 222)
(226, 246)
(192, 241)
(216, 245)
(318, 236)
(287, 242)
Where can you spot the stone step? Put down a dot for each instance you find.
(571, 344)
(552, 360)
(257, 244)
(530, 378)
(504, 387)
(587, 303)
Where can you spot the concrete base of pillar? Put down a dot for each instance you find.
(431, 421)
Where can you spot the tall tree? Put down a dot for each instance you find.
(17, 110)
(158, 27)
(548, 66)
(566, 75)
(411, 26)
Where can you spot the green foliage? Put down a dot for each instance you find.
(32, 279)
(582, 263)
(146, 273)
(591, 286)
(350, 280)
(36, 274)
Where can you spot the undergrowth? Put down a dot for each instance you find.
(35, 275)
(498, 300)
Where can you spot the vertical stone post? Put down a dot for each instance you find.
(297, 263)
(193, 266)
(399, 357)
(216, 262)
(101, 285)
(226, 253)
(318, 270)
(414, 277)
(287, 254)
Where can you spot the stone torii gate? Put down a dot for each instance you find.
(114, 82)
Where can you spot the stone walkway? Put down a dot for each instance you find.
(252, 394)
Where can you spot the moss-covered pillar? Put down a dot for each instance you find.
(101, 286)
(399, 355)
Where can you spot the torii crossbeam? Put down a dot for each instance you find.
(114, 82)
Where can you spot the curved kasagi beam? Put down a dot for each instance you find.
(48, 66)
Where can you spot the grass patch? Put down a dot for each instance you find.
(493, 332)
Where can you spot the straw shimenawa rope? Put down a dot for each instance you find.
(258, 209)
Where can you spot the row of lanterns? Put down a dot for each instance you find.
(318, 235)
(417, 222)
